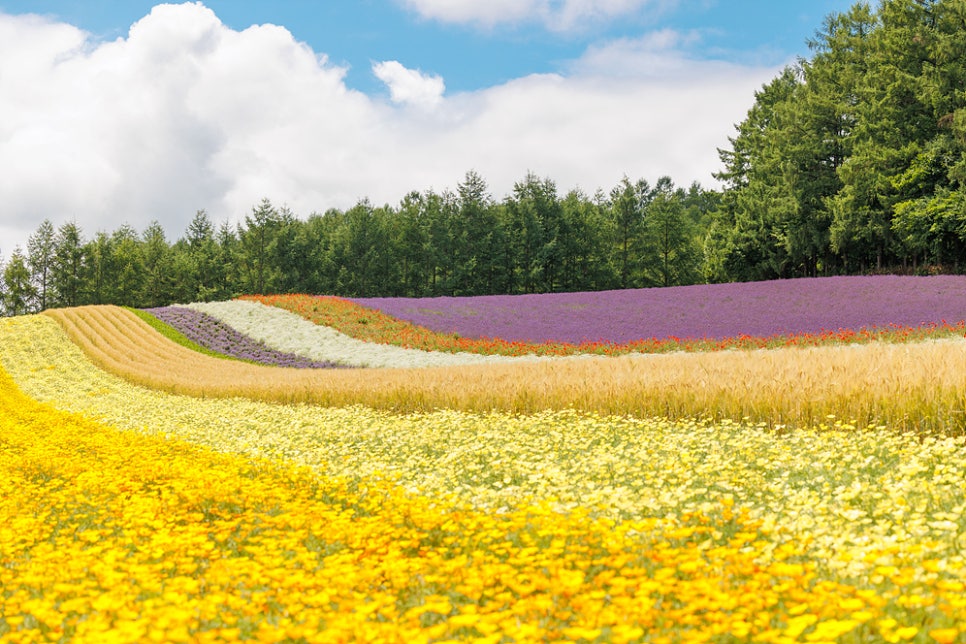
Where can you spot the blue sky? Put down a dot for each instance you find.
(354, 32)
(365, 98)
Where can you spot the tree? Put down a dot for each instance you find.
(20, 292)
(628, 202)
(584, 244)
(97, 269)
(410, 240)
(851, 53)
(848, 161)
(41, 247)
(193, 261)
(258, 238)
(158, 267)
(669, 234)
(67, 275)
(361, 251)
(752, 223)
(442, 215)
(126, 267)
(202, 253)
(294, 260)
(318, 238)
(475, 237)
(227, 282)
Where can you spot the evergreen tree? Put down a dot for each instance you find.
(20, 293)
(411, 246)
(158, 267)
(67, 274)
(126, 268)
(40, 256)
(584, 244)
(257, 240)
(669, 234)
(227, 283)
(475, 237)
(628, 202)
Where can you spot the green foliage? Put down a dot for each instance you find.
(432, 244)
(852, 160)
(67, 277)
(40, 257)
(19, 293)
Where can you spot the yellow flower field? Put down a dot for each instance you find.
(128, 514)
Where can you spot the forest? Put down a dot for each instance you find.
(851, 161)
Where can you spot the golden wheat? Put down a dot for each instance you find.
(917, 386)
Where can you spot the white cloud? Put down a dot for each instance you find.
(488, 13)
(557, 15)
(185, 113)
(658, 55)
(410, 86)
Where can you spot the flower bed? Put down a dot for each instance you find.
(713, 311)
(373, 325)
(283, 331)
(217, 336)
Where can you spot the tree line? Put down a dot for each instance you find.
(854, 160)
(446, 243)
(850, 161)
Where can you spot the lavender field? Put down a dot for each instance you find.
(713, 311)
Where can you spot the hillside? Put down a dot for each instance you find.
(151, 485)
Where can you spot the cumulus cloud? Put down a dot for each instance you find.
(409, 86)
(557, 15)
(660, 55)
(185, 113)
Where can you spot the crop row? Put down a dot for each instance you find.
(775, 308)
(289, 332)
(374, 325)
(224, 339)
(916, 386)
(450, 525)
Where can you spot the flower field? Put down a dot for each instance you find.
(219, 337)
(289, 332)
(714, 311)
(153, 493)
(793, 313)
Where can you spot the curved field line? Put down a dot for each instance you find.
(919, 386)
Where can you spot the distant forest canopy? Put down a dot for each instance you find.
(849, 162)
(461, 243)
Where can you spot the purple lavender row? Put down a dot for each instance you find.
(713, 311)
(217, 336)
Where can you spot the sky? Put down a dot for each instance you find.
(120, 112)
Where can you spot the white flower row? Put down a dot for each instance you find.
(289, 332)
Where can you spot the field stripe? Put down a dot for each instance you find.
(286, 331)
(916, 386)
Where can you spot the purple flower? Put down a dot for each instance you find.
(217, 336)
(713, 311)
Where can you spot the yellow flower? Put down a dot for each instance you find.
(944, 635)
